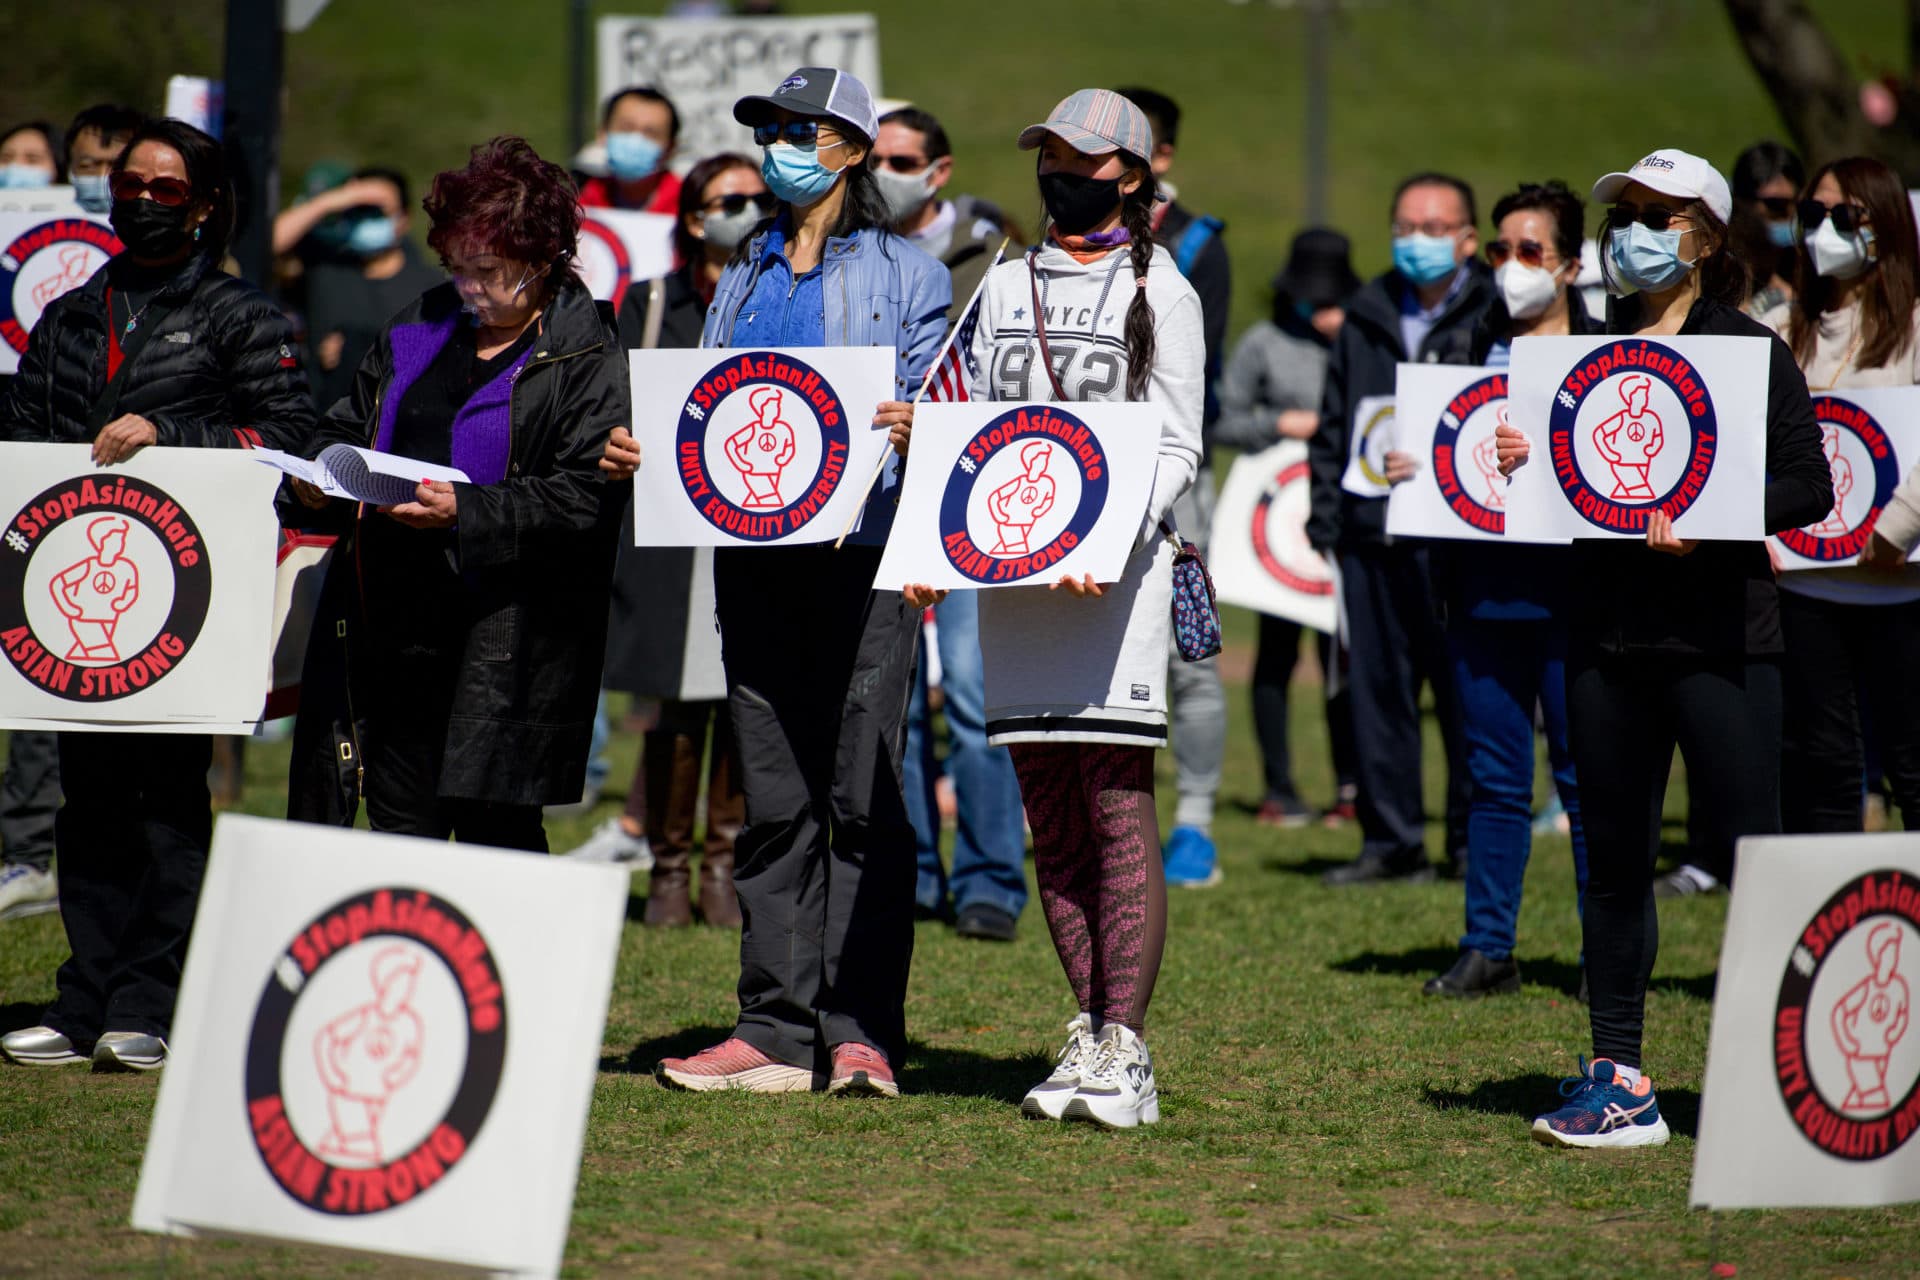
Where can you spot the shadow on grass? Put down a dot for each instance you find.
(1529, 1095)
(1315, 866)
(641, 1058)
(19, 1014)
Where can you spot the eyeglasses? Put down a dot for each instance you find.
(902, 164)
(1438, 230)
(1530, 252)
(1847, 218)
(171, 192)
(734, 203)
(798, 132)
(1654, 217)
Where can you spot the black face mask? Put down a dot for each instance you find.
(150, 229)
(1077, 203)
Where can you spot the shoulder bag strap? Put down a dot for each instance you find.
(1040, 332)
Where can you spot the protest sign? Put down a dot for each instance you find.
(1871, 436)
(1446, 417)
(618, 248)
(751, 448)
(43, 255)
(1258, 553)
(371, 1051)
(1623, 426)
(705, 64)
(137, 598)
(1005, 495)
(1369, 437)
(1812, 1091)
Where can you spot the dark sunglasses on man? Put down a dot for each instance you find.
(902, 164)
(1847, 218)
(171, 192)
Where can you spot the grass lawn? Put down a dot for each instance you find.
(1321, 1117)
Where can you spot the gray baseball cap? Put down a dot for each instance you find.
(1095, 122)
(815, 91)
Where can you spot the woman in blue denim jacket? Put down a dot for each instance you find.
(819, 665)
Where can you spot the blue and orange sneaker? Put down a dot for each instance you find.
(1602, 1112)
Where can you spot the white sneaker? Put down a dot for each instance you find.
(27, 891)
(1116, 1088)
(611, 842)
(129, 1051)
(1048, 1099)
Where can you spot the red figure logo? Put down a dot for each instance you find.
(761, 450)
(367, 1055)
(1835, 525)
(1018, 503)
(92, 594)
(1486, 459)
(1630, 439)
(1869, 1020)
(72, 273)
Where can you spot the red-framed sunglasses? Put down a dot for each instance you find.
(1530, 252)
(171, 192)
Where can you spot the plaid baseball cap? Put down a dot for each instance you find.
(1095, 122)
(815, 91)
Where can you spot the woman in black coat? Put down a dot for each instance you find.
(456, 659)
(161, 347)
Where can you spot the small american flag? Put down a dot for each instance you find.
(953, 375)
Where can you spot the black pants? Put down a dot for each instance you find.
(1396, 642)
(1625, 716)
(1273, 666)
(819, 672)
(29, 797)
(132, 839)
(1836, 654)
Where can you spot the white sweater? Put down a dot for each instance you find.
(1060, 667)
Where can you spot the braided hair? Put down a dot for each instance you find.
(1136, 214)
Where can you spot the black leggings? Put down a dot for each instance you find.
(1273, 668)
(1626, 715)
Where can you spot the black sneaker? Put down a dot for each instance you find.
(1473, 975)
(1370, 868)
(987, 923)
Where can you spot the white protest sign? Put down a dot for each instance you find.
(749, 448)
(618, 248)
(1445, 418)
(43, 255)
(384, 1043)
(139, 597)
(1004, 495)
(1258, 553)
(1872, 439)
(197, 100)
(1369, 437)
(1622, 426)
(706, 64)
(1812, 1091)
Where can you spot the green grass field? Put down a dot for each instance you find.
(1321, 1117)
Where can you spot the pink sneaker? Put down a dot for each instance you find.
(733, 1064)
(861, 1068)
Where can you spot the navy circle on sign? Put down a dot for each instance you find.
(1653, 360)
(720, 386)
(35, 240)
(1010, 430)
(1466, 402)
(1844, 415)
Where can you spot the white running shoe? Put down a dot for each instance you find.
(1116, 1088)
(611, 842)
(1048, 1099)
(26, 891)
(39, 1047)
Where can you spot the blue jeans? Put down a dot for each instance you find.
(989, 850)
(1501, 669)
(598, 766)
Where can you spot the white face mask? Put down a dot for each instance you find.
(1841, 257)
(1528, 291)
(905, 193)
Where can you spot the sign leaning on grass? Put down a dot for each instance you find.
(1812, 1092)
(1871, 436)
(1258, 552)
(368, 1052)
(137, 597)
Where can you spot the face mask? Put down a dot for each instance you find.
(727, 230)
(1528, 291)
(797, 176)
(150, 229)
(1424, 260)
(1840, 257)
(905, 193)
(19, 176)
(633, 156)
(90, 191)
(1077, 203)
(1781, 234)
(368, 236)
(1646, 259)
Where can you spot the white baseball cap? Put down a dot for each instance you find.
(1672, 173)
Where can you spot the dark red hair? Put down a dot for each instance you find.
(509, 202)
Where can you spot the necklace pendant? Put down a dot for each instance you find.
(133, 322)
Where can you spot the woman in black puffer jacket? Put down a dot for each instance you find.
(160, 347)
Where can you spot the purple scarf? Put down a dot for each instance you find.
(482, 430)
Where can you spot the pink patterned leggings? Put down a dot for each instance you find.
(1096, 852)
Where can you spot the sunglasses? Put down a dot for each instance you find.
(1530, 252)
(171, 192)
(1654, 217)
(901, 164)
(1847, 218)
(798, 132)
(1777, 207)
(734, 203)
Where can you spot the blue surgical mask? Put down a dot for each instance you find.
(15, 177)
(1781, 234)
(368, 236)
(633, 156)
(90, 192)
(1646, 259)
(796, 175)
(1424, 260)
